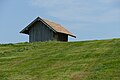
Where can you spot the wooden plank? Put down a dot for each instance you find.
(40, 32)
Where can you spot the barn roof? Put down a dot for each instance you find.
(52, 25)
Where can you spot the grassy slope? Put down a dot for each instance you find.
(89, 60)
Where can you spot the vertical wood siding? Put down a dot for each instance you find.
(61, 37)
(40, 32)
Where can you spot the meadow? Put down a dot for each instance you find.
(84, 60)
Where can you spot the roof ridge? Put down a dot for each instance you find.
(55, 26)
(52, 25)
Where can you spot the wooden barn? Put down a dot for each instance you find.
(44, 30)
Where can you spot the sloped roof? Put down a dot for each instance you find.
(52, 25)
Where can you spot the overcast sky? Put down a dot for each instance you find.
(87, 19)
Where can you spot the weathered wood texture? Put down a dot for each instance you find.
(40, 32)
(45, 30)
(61, 37)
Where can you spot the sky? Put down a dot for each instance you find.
(87, 19)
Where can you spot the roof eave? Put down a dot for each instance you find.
(72, 36)
(68, 34)
(37, 19)
(27, 27)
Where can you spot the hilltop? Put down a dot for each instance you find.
(85, 60)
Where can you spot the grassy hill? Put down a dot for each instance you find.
(86, 60)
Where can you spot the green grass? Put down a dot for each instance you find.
(86, 60)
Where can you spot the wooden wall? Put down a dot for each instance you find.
(40, 32)
(61, 37)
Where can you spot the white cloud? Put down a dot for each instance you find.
(87, 18)
(81, 10)
(108, 1)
